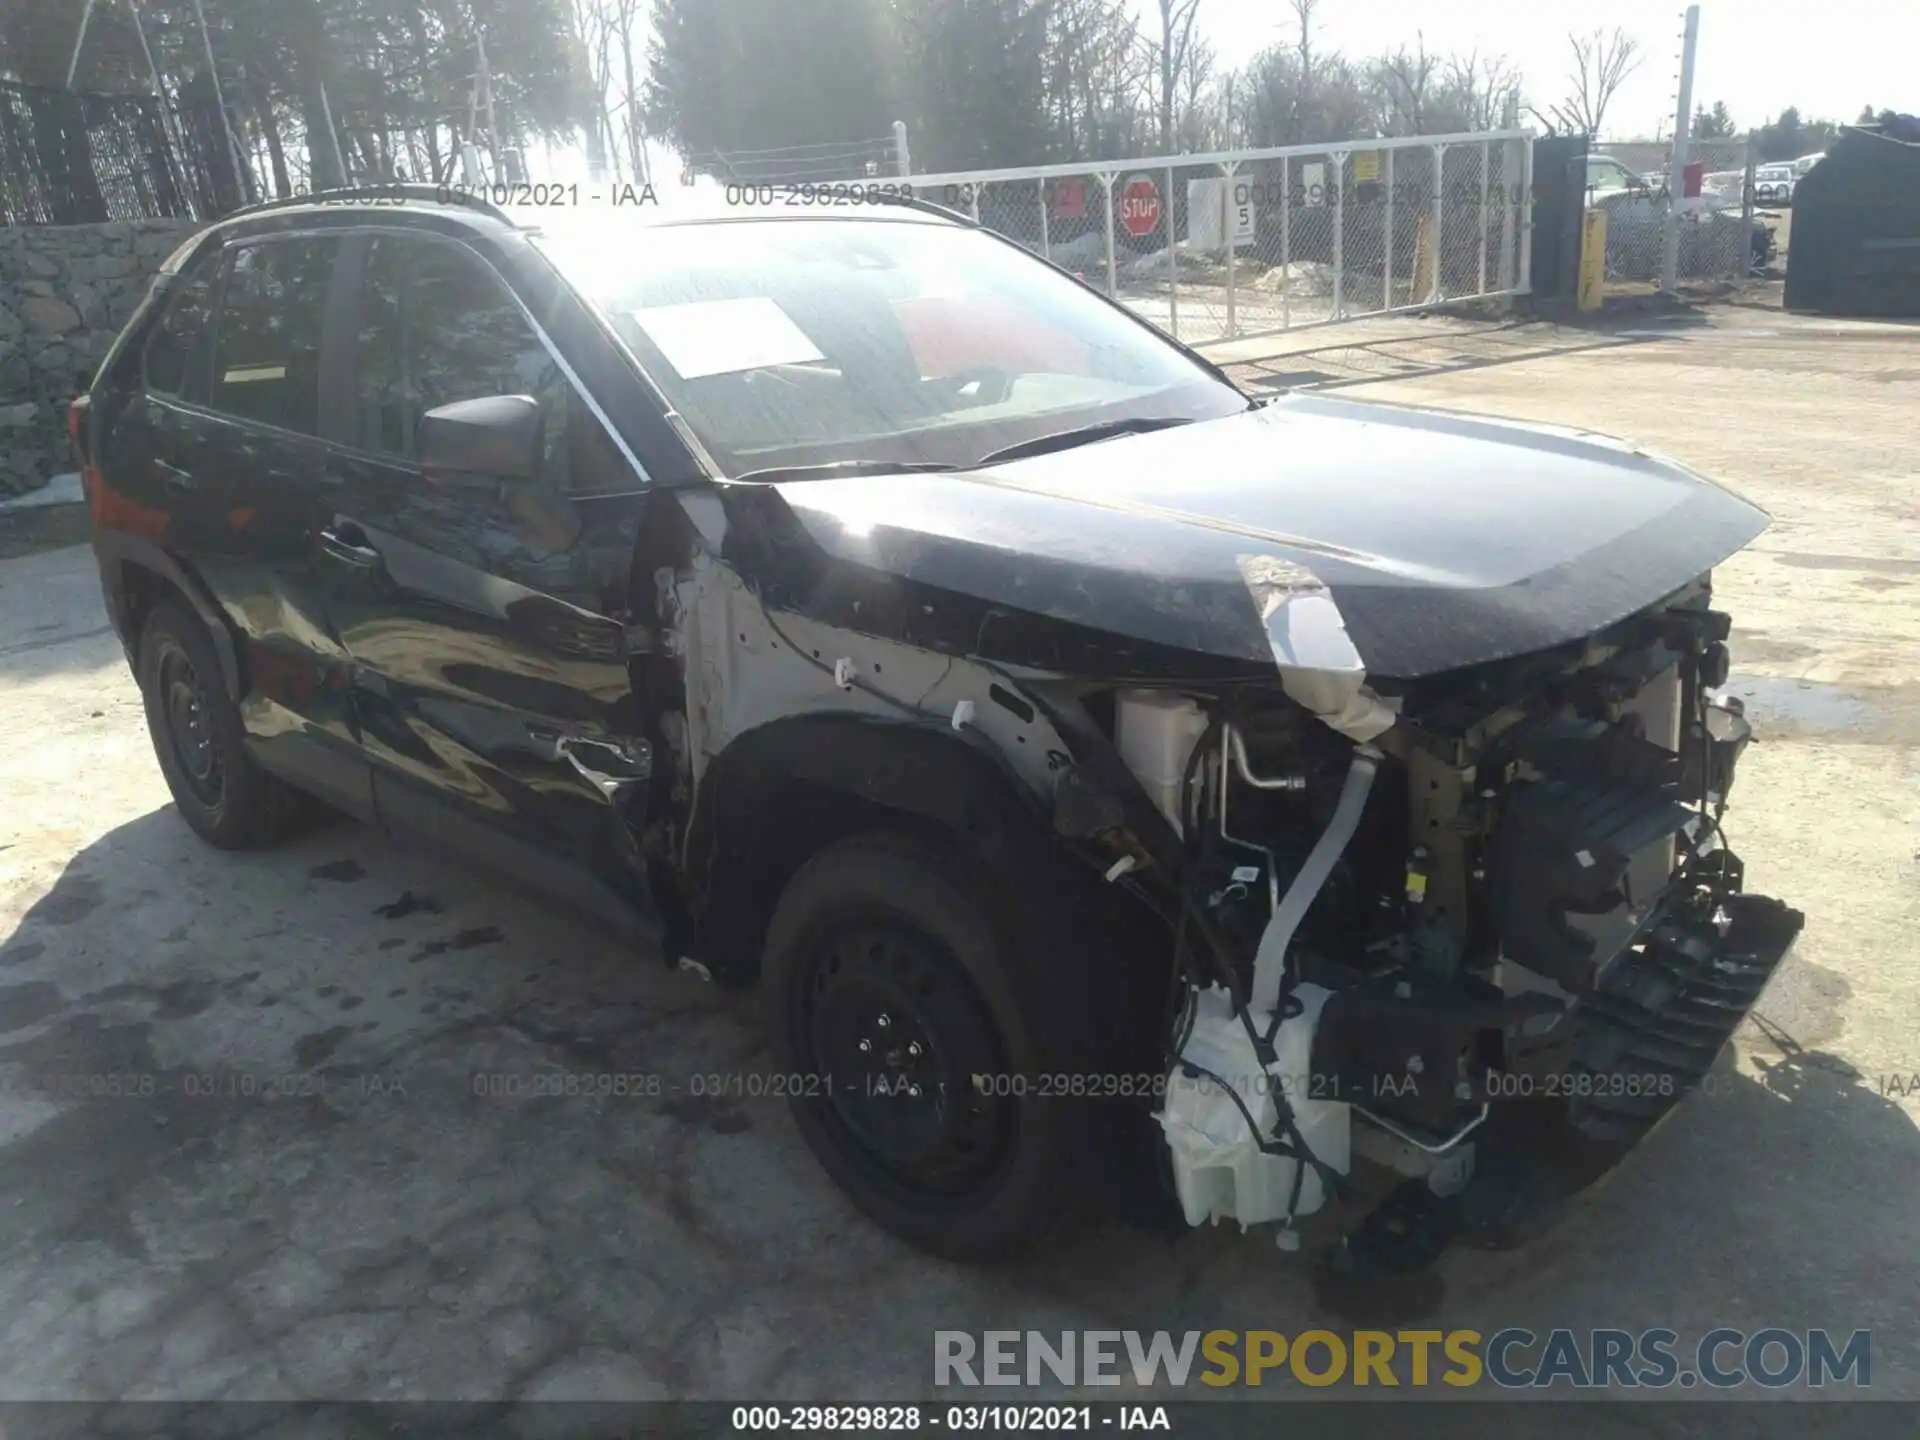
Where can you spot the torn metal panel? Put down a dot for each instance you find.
(1319, 667)
(707, 515)
(742, 670)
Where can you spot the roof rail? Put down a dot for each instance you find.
(390, 191)
(911, 201)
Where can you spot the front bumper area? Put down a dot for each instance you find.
(1666, 1011)
(1644, 1038)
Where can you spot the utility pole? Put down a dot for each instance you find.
(73, 63)
(1677, 171)
(220, 103)
(168, 124)
(486, 100)
(333, 137)
(479, 102)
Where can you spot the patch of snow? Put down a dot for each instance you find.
(60, 490)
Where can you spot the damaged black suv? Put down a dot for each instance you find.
(1115, 786)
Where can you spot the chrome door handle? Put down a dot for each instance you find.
(609, 786)
(362, 557)
(634, 757)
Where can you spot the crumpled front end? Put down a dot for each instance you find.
(1488, 947)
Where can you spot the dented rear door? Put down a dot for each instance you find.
(240, 454)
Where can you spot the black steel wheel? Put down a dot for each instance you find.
(200, 742)
(890, 976)
(187, 730)
(897, 1018)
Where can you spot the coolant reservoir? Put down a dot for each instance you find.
(1155, 733)
(1219, 1170)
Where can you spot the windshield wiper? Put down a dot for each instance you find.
(836, 469)
(1081, 435)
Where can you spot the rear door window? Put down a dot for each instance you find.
(175, 343)
(266, 364)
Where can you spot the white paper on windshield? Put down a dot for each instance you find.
(722, 337)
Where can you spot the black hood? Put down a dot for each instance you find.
(1444, 540)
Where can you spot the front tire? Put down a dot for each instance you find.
(201, 744)
(893, 974)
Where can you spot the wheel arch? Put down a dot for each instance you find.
(781, 792)
(137, 575)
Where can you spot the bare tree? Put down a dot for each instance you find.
(616, 131)
(1478, 89)
(1222, 109)
(1303, 19)
(1199, 123)
(1311, 73)
(1174, 53)
(629, 15)
(591, 27)
(1098, 92)
(1403, 80)
(1601, 64)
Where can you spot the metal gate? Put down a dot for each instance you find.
(1249, 242)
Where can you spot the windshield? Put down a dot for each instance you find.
(827, 342)
(1603, 171)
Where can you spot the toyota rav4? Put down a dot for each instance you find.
(1113, 783)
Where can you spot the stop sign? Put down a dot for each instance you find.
(1140, 206)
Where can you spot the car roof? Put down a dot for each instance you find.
(669, 205)
(592, 202)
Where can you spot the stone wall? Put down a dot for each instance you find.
(65, 291)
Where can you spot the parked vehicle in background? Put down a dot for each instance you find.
(1710, 236)
(1807, 162)
(1606, 176)
(1773, 184)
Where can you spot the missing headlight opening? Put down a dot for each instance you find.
(1472, 932)
(1518, 889)
(1451, 937)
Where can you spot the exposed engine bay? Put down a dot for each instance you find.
(1410, 831)
(1514, 902)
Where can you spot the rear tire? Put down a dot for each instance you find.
(201, 744)
(893, 975)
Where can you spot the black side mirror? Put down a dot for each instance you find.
(497, 437)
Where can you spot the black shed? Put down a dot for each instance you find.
(1855, 247)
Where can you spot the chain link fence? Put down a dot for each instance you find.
(1716, 235)
(1243, 243)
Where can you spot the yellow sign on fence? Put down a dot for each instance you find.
(1366, 166)
(1593, 260)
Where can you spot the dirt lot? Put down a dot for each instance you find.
(312, 1192)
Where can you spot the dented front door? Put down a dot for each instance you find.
(486, 622)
